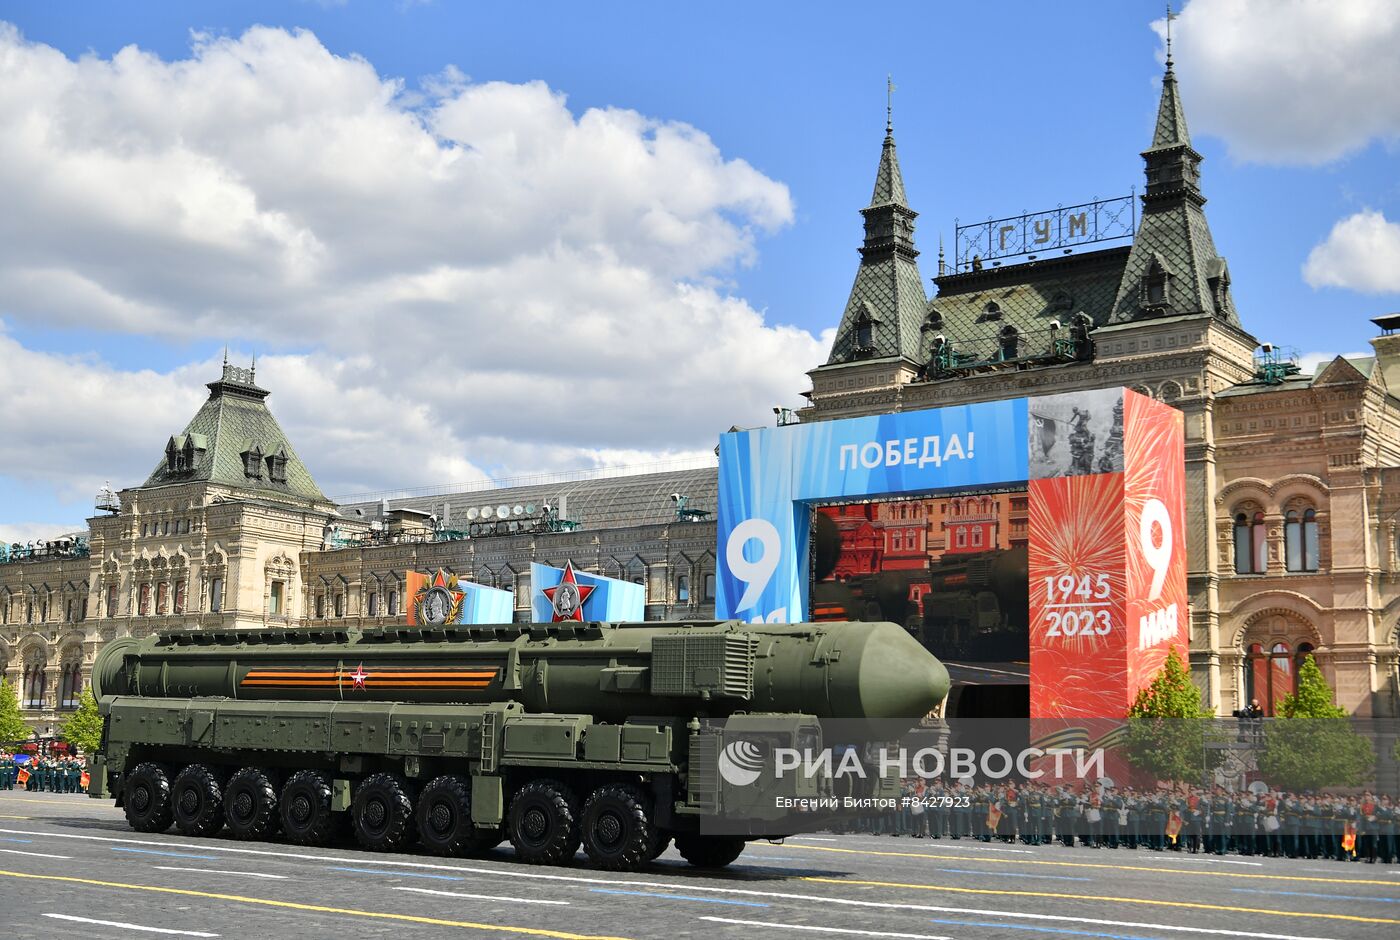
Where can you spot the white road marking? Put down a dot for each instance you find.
(514, 873)
(124, 926)
(842, 930)
(478, 897)
(1192, 858)
(933, 845)
(218, 871)
(32, 854)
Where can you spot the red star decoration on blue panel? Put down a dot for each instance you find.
(568, 595)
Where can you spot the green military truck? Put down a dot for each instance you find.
(619, 737)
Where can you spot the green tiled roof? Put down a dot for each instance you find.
(888, 289)
(1173, 233)
(1026, 296)
(1171, 119)
(235, 420)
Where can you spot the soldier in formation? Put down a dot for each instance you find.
(7, 770)
(1183, 819)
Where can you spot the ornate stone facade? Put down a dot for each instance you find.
(1309, 463)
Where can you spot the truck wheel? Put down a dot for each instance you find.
(445, 818)
(250, 804)
(146, 798)
(383, 814)
(305, 809)
(617, 828)
(543, 823)
(197, 801)
(709, 851)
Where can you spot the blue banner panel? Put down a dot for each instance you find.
(483, 604)
(768, 476)
(568, 594)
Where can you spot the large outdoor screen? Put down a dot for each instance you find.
(1103, 582)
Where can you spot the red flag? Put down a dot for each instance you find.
(1173, 826)
(84, 780)
(993, 817)
(22, 778)
(1349, 838)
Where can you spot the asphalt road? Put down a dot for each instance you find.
(69, 866)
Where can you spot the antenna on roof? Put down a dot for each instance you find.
(889, 105)
(1170, 16)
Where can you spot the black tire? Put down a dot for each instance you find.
(617, 830)
(146, 798)
(659, 844)
(304, 808)
(197, 800)
(542, 823)
(445, 819)
(250, 805)
(709, 851)
(382, 814)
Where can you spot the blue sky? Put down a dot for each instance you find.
(999, 108)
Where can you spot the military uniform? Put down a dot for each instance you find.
(1386, 830)
(1112, 818)
(1218, 823)
(939, 798)
(1067, 817)
(7, 769)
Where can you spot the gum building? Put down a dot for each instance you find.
(1293, 480)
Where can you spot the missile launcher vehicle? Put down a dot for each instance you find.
(618, 737)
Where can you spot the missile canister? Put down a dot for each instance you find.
(873, 673)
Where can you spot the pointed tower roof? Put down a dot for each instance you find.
(1173, 268)
(1171, 120)
(233, 440)
(889, 184)
(886, 305)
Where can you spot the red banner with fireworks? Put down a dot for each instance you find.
(1107, 558)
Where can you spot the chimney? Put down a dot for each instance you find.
(1387, 347)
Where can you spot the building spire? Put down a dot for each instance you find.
(889, 105)
(1170, 130)
(1173, 267)
(1170, 16)
(889, 183)
(886, 304)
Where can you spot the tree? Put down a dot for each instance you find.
(1311, 744)
(12, 726)
(83, 729)
(1168, 726)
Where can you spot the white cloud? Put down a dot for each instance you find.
(441, 282)
(1362, 253)
(1290, 81)
(1311, 362)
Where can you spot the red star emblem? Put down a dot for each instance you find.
(568, 595)
(359, 676)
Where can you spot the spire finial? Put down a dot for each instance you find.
(225, 355)
(889, 105)
(1170, 16)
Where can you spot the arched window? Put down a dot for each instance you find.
(1251, 544)
(683, 589)
(1009, 341)
(393, 602)
(1270, 676)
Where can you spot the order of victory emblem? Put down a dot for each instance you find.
(439, 601)
(568, 595)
